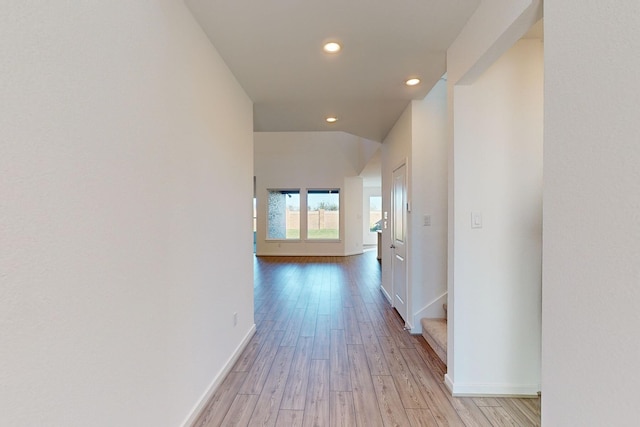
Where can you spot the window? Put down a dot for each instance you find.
(283, 214)
(255, 217)
(323, 214)
(375, 213)
(255, 224)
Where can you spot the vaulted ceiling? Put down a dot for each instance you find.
(274, 48)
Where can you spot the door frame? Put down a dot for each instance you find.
(406, 210)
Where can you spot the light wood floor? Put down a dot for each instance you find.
(329, 351)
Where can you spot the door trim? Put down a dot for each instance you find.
(406, 315)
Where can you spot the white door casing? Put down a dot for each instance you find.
(399, 241)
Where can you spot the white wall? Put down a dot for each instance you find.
(122, 138)
(396, 150)
(302, 160)
(491, 30)
(591, 287)
(352, 202)
(429, 194)
(498, 161)
(419, 137)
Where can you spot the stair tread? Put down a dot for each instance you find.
(434, 332)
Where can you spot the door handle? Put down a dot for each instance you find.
(392, 246)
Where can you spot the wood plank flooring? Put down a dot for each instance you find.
(330, 351)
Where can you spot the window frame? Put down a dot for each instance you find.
(309, 191)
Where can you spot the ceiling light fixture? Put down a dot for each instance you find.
(331, 47)
(412, 82)
(331, 119)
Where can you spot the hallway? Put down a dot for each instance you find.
(330, 351)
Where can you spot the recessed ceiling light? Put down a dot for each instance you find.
(331, 47)
(331, 119)
(412, 82)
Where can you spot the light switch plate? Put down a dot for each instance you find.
(427, 221)
(476, 219)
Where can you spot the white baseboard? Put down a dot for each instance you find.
(302, 254)
(448, 383)
(204, 400)
(357, 252)
(409, 326)
(386, 295)
(491, 390)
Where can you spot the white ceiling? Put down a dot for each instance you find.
(274, 48)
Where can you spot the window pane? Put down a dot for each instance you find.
(283, 214)
(375, 213)
(323, 214)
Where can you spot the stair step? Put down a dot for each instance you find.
(434, 332)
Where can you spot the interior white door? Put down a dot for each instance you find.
(399, 241)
